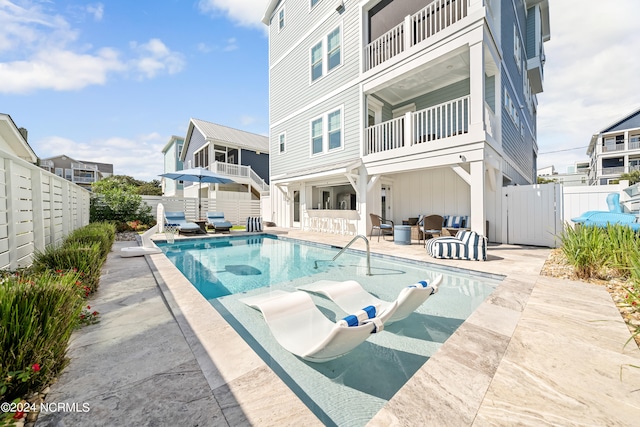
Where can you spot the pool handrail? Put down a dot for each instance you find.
(359, 236)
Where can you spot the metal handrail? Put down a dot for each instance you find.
(359, 236)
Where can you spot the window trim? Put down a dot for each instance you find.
(324, 117)
(198, 151)
(517, 49)
(282, 143)
(324, 45)
(313, 6)
(282, 23)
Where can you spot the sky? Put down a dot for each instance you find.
(112, 81)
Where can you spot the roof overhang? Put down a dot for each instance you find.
(271, 7)
(315, 174)
(17, 143)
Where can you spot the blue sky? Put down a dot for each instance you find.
(112, 81)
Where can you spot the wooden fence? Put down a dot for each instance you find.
(37, 209)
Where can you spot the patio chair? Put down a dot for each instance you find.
(430, 225)
(301, 328)
(466, 245)
(217, 222)
(178, 219)
(377, 223)
(350, 296)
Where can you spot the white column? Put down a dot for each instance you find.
(478, 216)
(362, 202)
(408, 129)
(476, 70)
(408, 32)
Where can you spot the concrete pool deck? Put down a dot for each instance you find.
(538, 351)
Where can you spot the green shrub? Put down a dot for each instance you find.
(102, 233)
(37, 315)
(85, 258)
(622, 247)
(586, 248)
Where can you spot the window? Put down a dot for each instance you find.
(314, 2)
(68, 174)
(333, 49)
(281, 141)
(316, 62)
(201, 158)
(281, 19)
(329, 48)
(59, 172)
(517, 48)
(316, 136)
(329, 137)
(511, 109)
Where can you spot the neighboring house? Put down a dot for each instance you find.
(576, 175)
(79, 172)
(615, 150)
(14, 140)
(400, 108)
(236, 154)
(172, 163)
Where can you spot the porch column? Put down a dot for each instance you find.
(478, 216)
(476, 70)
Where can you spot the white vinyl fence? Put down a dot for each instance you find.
(235, 211)
(37, 209)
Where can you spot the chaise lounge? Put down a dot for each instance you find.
(350, 296)
(178, 219)
(217, 221)
(301, 328)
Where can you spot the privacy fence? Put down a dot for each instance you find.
(235, 211)
(37, 209)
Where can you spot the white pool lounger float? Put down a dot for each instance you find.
(138, 251)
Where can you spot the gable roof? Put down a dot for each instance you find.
(619, 124)
(14, 141)
(172, 141)
(219, 133)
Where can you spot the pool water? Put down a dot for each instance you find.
(350, 390)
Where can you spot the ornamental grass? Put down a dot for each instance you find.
(38, 312)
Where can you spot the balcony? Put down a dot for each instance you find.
(435, 123)
(233, 170)
(84, 166)
(634, 144)
(415, 29)
(608, 148)
(613, 171)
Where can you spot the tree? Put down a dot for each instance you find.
(543, 180)
(116, 198)
(633, 176)
(151, 188)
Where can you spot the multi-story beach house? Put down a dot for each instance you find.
(615, 150)
(402, 107)
(80, 172)
(172, 163)
(236, 154)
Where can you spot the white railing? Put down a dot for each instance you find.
(612, 147)
(84, 166)
(613, 171)
(489, 120)
(231, 169)
(634, 145)
(46, 163)
(441, 121)
(431, 124)
(634, 168)
(384, 47)
(236, 211)
(385, 136)
(37, 209)
(414, 29)
(437, 16)
(84, 179)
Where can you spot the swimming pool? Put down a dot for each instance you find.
(352, 389)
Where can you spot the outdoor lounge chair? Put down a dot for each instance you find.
(430, 225)
(377, 223)
(350, 296)
(603, 219)
(301, 328)
(613, 203)
(179, 220)
(467, 245)
(217, 221)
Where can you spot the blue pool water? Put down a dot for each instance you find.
(350, 390)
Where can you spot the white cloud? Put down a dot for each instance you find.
(231, 45)
(123, 153)
(590, 75)
(247, 13)
(39, 52)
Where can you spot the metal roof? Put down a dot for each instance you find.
(241, 138)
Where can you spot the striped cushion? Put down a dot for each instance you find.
(467, 245)
(453, 221)
(254, 223)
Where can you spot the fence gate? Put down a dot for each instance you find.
(534, 214)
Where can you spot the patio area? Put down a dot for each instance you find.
(538, 351)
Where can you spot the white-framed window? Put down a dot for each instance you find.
(59, 172)
(282, 138)
(313, 3)
(517, 48)
(326, 55)
(201, 157)
(511, 109)
(326, 132)
(281, 22)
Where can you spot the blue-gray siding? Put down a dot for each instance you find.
(490, 91)
(258, 162)
(629, 123)
(195, 143)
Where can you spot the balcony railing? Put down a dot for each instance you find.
(84, 179)
(613, 171)
(46, 163)
(415, 28)
(84, 166)
(612, 147)
(231, 169)
(431, 124)
(634, 145)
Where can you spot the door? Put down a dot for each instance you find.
(296, 209)
(385, 203)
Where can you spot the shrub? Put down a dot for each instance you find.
(85, 258)
(102, 233)
(37, 315)
(586, 249)
(622, 248)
